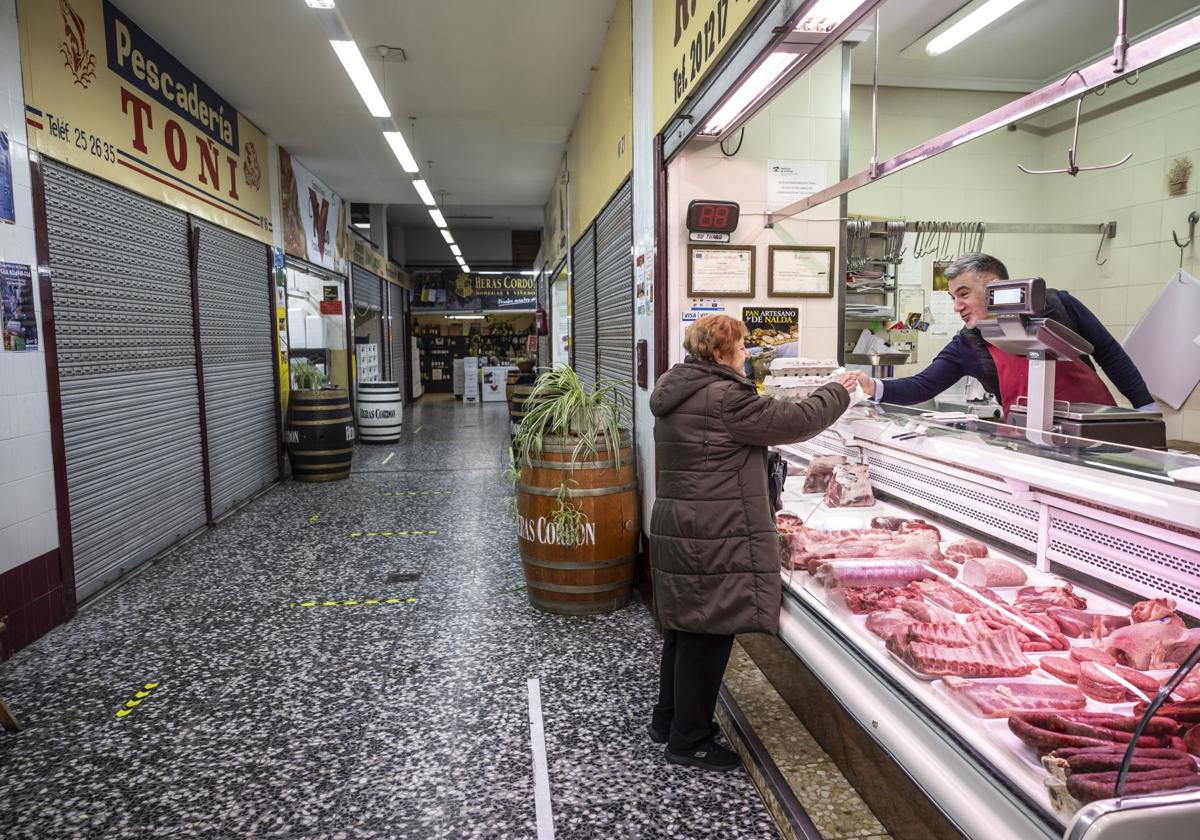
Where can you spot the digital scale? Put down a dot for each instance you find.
(1015, 328)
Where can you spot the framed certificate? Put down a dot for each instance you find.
(800, 270)
(721, 270)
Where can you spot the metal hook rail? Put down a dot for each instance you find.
(1073, 168)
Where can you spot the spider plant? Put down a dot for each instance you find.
(561, 406)
(569, 519)
(306, 376)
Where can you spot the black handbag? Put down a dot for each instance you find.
(777, 470)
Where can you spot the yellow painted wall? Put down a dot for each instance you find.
(600, 152)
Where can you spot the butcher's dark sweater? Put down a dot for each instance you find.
(958, 360)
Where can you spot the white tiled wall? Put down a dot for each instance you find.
(28, 524)
(980, 181)
(802, 123)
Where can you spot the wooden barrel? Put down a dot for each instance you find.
(379, 412)
(595, 575)
(516, 406)
(320, 434)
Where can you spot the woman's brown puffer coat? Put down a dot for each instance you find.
(714, 549)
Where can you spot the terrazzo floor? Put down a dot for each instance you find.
(283, 711)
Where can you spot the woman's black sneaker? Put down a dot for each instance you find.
(659, 736)
(708, 756)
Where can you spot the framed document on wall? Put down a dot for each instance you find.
(721, 270)
(800, 270)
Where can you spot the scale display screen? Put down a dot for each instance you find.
(1006, 297)
(704, 216)
(1016, 297)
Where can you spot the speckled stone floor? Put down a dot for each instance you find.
(282, 711)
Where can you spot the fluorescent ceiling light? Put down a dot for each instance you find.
(438, 218)
(826, 15)
(455, 250)
(423, 190)
(527, 273)
(400, 150)
(446, 235)
(362, 224)
(352, 60)
(751, 90)
(465, 317)
(465, 267)
(319, 4)
(969, 25)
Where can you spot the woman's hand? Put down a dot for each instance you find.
(857, 378)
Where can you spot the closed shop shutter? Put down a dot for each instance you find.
(121, 287)
(583, 307)
(366, 290)
(396, 337)
(614, 298)
(239, 373)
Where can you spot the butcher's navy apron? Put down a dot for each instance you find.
(1074, 381)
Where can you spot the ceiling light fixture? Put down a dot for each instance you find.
(465, 317)
(826, 15)
(400, 150)
(438, 218)
(465, 267)
(967, 26)
(446, 235)
(423, 190)
(362, 224)
(319, 4)
(455, 250)
(356, 68)
(750, 91)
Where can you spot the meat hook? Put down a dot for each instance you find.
(1192, 219)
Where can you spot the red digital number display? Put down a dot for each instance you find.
(713, 216)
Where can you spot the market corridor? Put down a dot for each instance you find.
(271, 718)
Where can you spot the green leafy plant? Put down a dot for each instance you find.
(569, 519)
(306, 376)
(561, 406)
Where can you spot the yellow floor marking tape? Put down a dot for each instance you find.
(416, 493)
(347, 603)
(313, 518)
(359, 534)
(389, 457)
(139, 697)
(419, 428)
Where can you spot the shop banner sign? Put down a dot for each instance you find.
(103, 96)
(770, 333)
(689, 37)
(508, 291)
(16, 300)
(314, 216)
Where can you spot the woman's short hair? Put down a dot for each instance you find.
(713, 335)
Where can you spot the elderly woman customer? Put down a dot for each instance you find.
(714, 549)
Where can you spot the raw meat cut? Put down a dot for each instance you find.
(997, 700)
(992, 571)
(1114, 683)
(866, 599)
(960, 550)
(807, 546)
(888, 623)
(1080, 623)
(1042, 598)
(923, 610)
(1147, 646)
(945, 567)
(999, 655)
(1071, 760)
(820, 471)
(850, 487)
(1091, 654)
(888, 523)
(1060, 667)
(916, 526)
(950, 635)
(1153, 610)
(860, 572)
(1192, 740)
(1038, 633)
(1186, 714)
(958, 598)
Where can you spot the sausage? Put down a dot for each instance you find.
(1185, 712)
(1044, 739)
(1156, 726)
(1095, 762)
(1088, 730)
(1191, 741)
(1118, 749)
(1088, 787)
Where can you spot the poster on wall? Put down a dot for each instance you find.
(103, 96)
(8, 213)
(313, 216)
(788, 181)
(16, 298)
(643, 274)
(771, 333)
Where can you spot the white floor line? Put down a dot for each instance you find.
(389, 457)
(541, 773)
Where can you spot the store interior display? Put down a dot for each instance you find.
(498, 341)
(317, 322)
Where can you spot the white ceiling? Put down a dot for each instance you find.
(495, 86)
(1038, 41)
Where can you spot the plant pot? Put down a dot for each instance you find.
(320, 434)
(596, 575)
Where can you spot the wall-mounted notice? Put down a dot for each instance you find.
(722, 270)
(16, 298)
(789, 181)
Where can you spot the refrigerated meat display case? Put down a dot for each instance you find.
(1119, 525)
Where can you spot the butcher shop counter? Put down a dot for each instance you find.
(1119, 525)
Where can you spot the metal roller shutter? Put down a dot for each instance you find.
(395, 353)
(614, 297)
(127, 373)
(239, 373)
(366, 291)
(583, 307)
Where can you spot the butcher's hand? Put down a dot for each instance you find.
(849, 381)
(857, 377)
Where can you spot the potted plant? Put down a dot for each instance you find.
(319, 429)
(577, 502)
